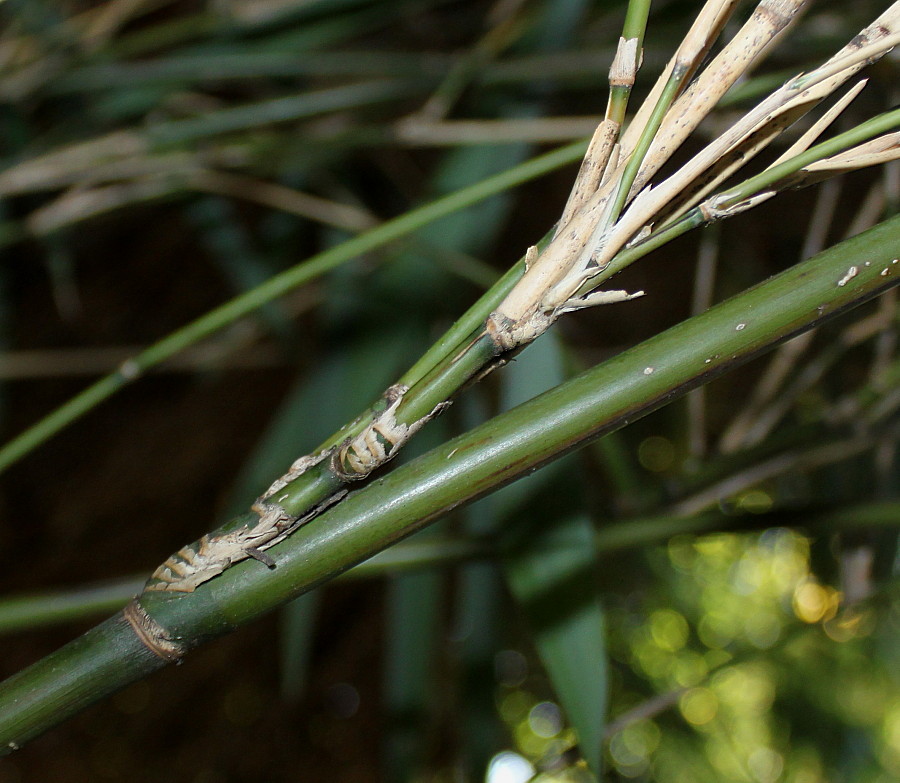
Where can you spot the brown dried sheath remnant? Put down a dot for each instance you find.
(382, 440)
(352, 460)
(152, 635)
(197, 563)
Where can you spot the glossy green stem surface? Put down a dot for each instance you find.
(596, 402)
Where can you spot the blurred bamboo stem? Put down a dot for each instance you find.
(563, 276)
(277, 286)
(160, 627)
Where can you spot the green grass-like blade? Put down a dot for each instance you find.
(513, 444)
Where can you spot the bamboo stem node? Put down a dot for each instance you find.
(196, 563)
(152, 635)
(381, 440)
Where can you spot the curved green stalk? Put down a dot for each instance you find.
(29, 611)
(395, 506)
(278, 285)
(633, 28)
(771, 177)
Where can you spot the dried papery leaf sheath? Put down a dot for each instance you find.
(555, 280)
(381, 440)
(351, 460)
(560, 278)
(599, 401)
(151, 634)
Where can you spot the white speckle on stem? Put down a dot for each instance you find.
(739, 327)
(852, 272)
(648, 370)
(886, 271)
(450, 455)
(129, 369)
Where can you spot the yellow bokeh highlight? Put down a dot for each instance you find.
(851, 624)
(717, 628)
(632, 747)
(765, 764)
(699, 706)
(891, 727)
(689, 668)
(515, 706)
(682, 552)
(747, 689)
(815, 603)
(650, 658)
(762, 628)
(656, 454)
(889, 753)
(719, 547)
(668, 629)
(755, 501)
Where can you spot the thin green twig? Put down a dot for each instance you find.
(278, 285)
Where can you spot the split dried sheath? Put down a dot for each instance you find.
(599, 401)
(315, 482)
(557, 274)
(555, 280)
(561, 276)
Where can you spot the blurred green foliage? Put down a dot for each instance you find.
(160, 157)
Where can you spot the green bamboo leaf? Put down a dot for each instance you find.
(413, 647)
(546, 558)
(513, 444)
(548, 565)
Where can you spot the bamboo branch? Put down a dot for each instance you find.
(160, 627)
(558, 279)
(279, 285)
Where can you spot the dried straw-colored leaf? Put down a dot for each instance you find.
(768, 20)
(744, 152)
(872, 153)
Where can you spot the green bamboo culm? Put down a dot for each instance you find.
(596, 402)
(25, 612)
(282, 283)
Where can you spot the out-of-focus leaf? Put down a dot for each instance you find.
(425, 282)
(478, 634)
(549, 556)
(297, 626)
(335, 391)
(410, 682)
(235, 252)
(549, 572)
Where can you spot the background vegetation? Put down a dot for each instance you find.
(161, 157)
